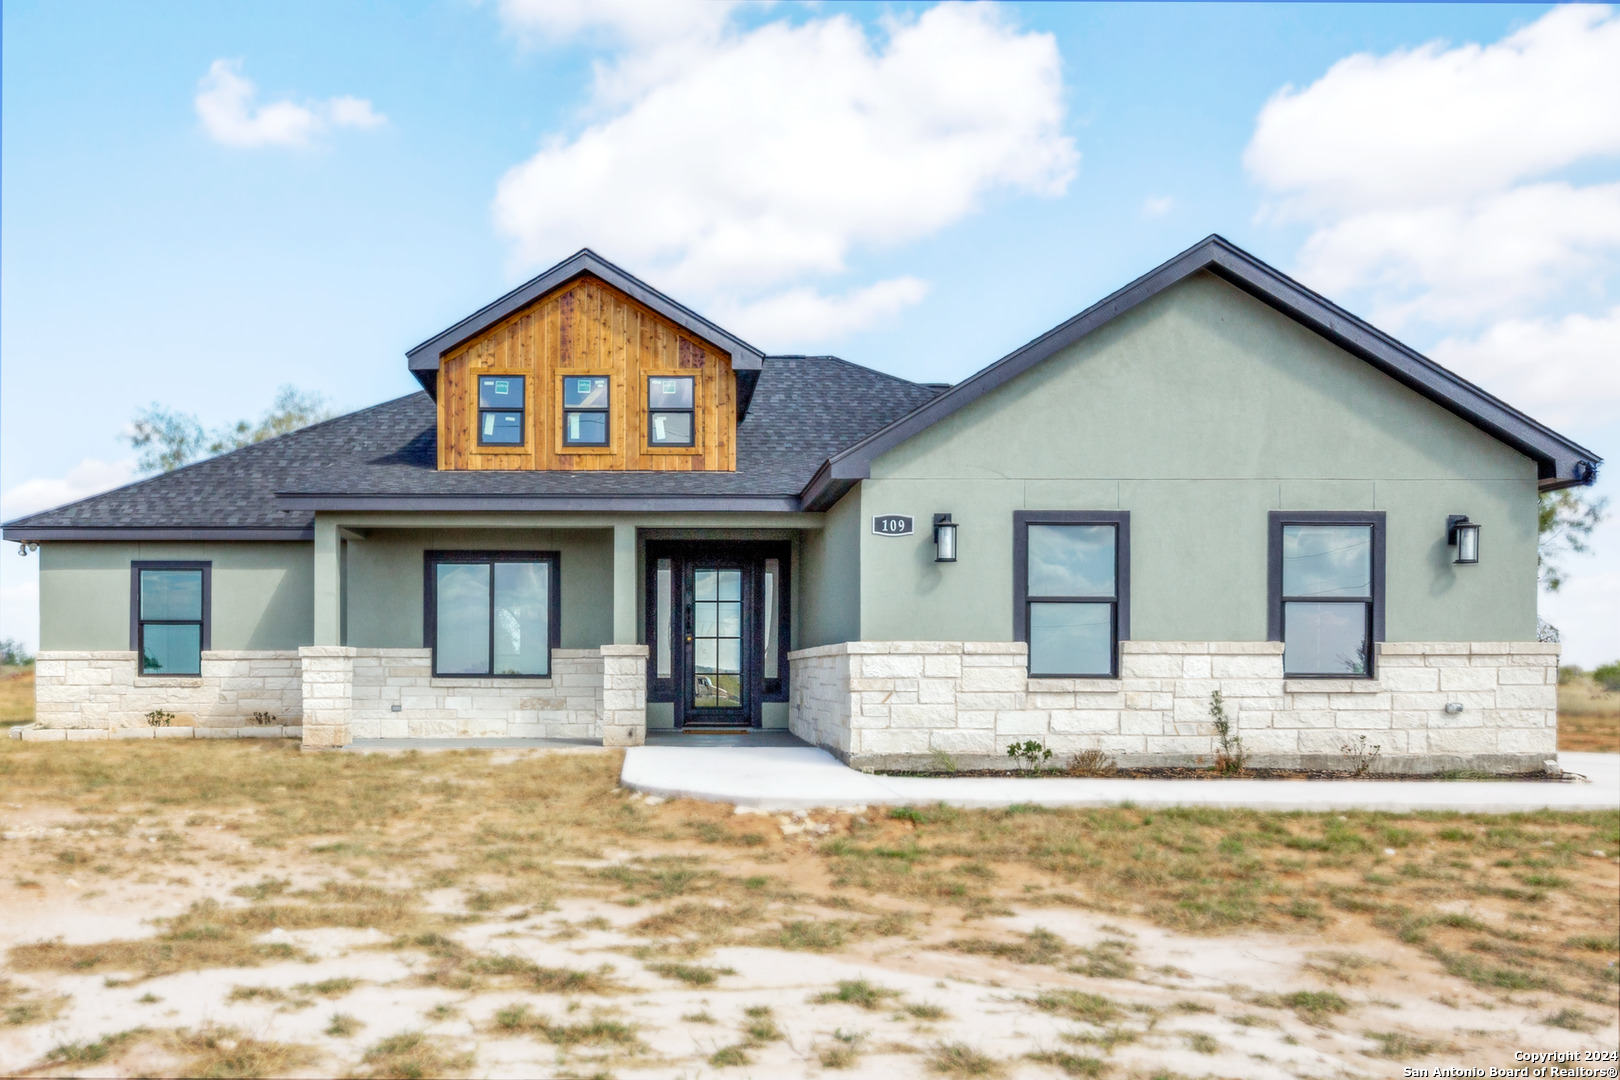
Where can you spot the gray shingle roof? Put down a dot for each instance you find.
(805, 409)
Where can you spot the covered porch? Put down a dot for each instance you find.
(599, 626)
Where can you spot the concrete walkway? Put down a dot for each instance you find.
(787, 778)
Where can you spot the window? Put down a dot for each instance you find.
(669, 411)
(500, 410)
(168, 616)
(585, 410)
(1071, 586)
(1326, 574)
(492, 613)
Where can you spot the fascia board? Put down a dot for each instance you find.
(425, 357)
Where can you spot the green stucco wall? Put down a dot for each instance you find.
(261, 593)
(384, 581)
(1199, 412)
(830, 560)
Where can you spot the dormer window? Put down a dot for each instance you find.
(585, 410)
(500, 410)
(669, 411)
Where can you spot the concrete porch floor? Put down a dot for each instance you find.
(805, 778)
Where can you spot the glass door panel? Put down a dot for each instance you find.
(717, 638)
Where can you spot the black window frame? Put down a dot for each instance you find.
(522, 412)
(205, 632)
(430, 605)
(606, 410)
(692, 413)
(1276, 601)
(1120, 601)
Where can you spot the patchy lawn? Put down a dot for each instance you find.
(16, 695)
(246, 909)
(1588, 717)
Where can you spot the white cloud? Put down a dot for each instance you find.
(89, 477)
(225, 103)
(1431, 175)
(637, 21)
(1562, 371)
(1157, 205)
(751, 160)
(794, 317)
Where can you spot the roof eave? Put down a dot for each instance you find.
(1561, 462)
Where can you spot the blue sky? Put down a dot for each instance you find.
(354, 177)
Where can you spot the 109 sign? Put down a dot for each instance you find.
(892, 525)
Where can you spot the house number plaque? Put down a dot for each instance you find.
(891, 525)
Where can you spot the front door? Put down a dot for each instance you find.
(717, 626)
(717, 614)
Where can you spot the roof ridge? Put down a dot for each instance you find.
(846, 363)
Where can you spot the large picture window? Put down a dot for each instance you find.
(1326, 584)
(494, 614)
(168, 616)
(1071, 590)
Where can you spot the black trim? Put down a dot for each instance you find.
(430, 604)
(205, 629)
(1561, 462)
(101, 532)
(424, 358)
(522, 411)
(771, 504)
(1276, 519)
(1121, 600)
(691, 413)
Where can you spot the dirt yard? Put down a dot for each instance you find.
(228, 909)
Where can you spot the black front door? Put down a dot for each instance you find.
(716, 628)
(718, 625)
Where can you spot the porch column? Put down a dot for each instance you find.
(624, 585)
(328, 583)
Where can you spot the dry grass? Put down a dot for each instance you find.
(1588, 717)
(16, 695)
(521, 832)
(961, 1060)
(226, 1052)
(20, 1007)
(412, 1055)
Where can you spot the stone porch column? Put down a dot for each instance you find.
(328, 677)
(624, 695)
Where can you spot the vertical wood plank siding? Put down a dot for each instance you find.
(588, 328)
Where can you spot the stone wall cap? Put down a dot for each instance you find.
(328, 650)
(625, 650)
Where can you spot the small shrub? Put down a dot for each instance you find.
(941, 762)
(1030, 755)
(1091, 763)
(159, 718)
(1360, 756)
(1229, 754)
(1608, 676)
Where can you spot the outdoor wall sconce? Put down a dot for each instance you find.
(944, 538)
(1464, 536)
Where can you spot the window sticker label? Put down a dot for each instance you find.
(502, 386)
(489, 425)
(584, 386)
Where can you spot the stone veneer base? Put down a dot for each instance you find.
(899, 706)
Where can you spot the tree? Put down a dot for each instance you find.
(1567, 520)
(168, 439)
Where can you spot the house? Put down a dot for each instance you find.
(605, 514)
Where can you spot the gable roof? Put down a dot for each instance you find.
(1561, 462)
(424, 358)
(383, 458)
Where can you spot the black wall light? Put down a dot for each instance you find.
(1464, 536)
(944, 538)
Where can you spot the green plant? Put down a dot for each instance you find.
(1608, 676)
(14, 653)
(1030, 755)
(159, 718)
(943, 762)
(1360, 755)
(1229, 756)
